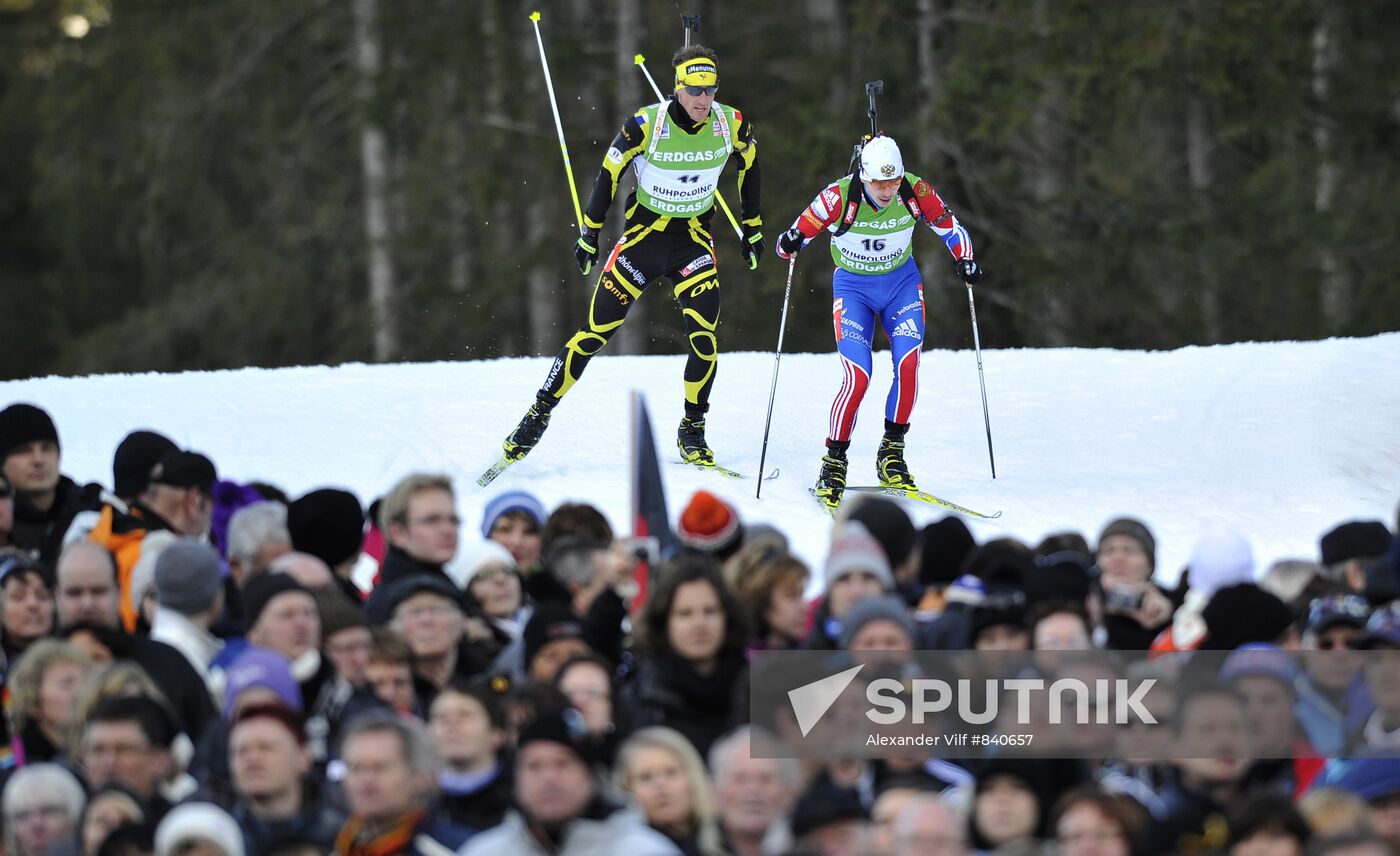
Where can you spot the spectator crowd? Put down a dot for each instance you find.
(200, 667)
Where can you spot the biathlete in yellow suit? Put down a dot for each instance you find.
(677, 149)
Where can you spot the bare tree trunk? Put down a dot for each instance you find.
(1047, 183)
(544, 286)
(829, 17)
(374, 163)
(455, 165)
(1201, 173)
(634, 335)
(926, 25)
(1335, 293)
(498, 68)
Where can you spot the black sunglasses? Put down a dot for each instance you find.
(701, 90)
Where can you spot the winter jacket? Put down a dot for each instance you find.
(398, 565)
(667, 690)
(615, 832)
(43, 531)
(317, 822)
(480, 805)
(176, 679)
(122, 534)
(198, 645)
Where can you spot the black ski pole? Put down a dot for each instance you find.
(773, 392)
(981, 379)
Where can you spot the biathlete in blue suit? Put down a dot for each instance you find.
(871, 217)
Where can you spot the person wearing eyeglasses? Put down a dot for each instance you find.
(419, 518)
(677, 149)
(1333, 624)
(42, 804)
(871, 215)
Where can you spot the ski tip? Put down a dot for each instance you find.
(535, 16)
(639, 59)
(494, 470)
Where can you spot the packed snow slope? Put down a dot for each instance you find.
(1278, 440)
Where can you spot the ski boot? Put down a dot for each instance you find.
(531, 428)
(831, 481)
(889, 460)
(690, 439)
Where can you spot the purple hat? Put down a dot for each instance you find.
(259, 667)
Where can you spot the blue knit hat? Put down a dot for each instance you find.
(515, 500)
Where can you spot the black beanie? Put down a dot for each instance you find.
(550, 622)
(1355, 539)
(1065, 575)
(327, 523)
(136, 455)
(262, 589)
(825, 803)
(946, 545)
(21, 424)
(386, 597)
(1244, 613)
(1001, 606)
(563, 727)
(890, 526)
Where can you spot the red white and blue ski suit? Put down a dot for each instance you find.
(876, 277)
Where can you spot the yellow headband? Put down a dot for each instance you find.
(696, 72)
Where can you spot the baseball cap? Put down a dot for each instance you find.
(1382, 628)
(1333, 609)
(179, 468)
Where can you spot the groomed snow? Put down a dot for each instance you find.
(1280, 441)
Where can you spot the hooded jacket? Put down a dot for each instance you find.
(616, 831)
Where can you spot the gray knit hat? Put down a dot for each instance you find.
(886, 607)
(1136, 530)
(854, 549)
(188, 577)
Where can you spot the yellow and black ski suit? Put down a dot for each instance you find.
(656, 244)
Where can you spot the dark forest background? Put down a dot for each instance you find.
(217, 183)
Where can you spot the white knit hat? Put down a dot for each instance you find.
(471, 558)
(199, 821)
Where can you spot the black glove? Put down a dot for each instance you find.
(587, 250)
(789, 243)
(969, 271)
(751, 246)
